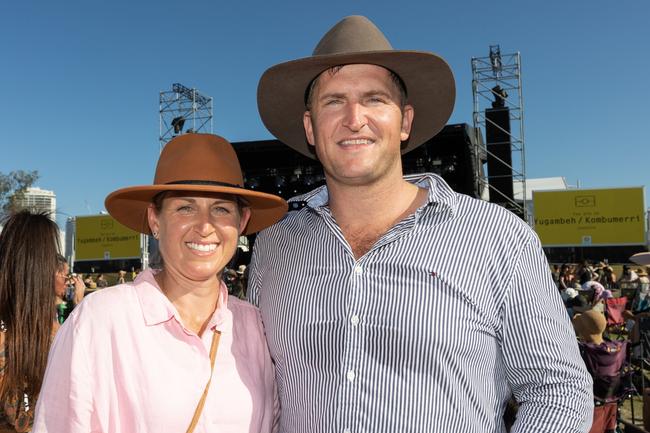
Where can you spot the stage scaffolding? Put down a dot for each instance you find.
(491, 76)
(183, 110)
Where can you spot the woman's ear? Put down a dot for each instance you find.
(152, 218)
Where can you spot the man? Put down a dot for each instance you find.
(628, 277)
(394, 304)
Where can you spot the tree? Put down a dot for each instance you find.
(13, 186)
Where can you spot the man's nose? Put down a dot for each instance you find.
(355, 117)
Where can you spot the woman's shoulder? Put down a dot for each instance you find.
(242, 307)
(244, 311)
(108, 305)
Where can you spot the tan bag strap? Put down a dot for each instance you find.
(199, 407)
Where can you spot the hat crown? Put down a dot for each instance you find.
(352, 34)
(196, 158)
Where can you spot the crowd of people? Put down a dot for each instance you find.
(606, 309)
(585, 285)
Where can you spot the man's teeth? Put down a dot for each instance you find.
(202, 247)
(356, 141)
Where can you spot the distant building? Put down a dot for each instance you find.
(38, 200)
(70, 229)
(42, 200)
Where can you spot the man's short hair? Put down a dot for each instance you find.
(401, 87)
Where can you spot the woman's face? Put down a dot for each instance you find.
(60, 280)
(197, 233)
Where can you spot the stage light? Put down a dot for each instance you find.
(254, 183)
(280, 181)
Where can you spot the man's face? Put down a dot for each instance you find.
(356, 124)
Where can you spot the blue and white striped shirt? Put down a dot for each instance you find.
(450, 312)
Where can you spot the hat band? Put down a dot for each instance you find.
(202, 182)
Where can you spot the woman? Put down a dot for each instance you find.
(565, 279)
(29, 244)
(171, 350)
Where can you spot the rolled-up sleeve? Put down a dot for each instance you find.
(545, 371)
(65, 403)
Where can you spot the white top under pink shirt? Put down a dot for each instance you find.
(123, 363)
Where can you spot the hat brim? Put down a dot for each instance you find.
(129, 205)
(641, 258)
(428, 78)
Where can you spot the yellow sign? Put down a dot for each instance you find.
(588, 217)
(100, 237)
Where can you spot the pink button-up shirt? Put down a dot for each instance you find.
(123, 363)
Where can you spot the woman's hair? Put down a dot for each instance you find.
(29, 244)
(60, 260)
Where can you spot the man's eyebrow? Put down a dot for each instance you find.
(332, 95)
(366, 94)
(383, 93)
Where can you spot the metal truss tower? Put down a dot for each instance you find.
(183, 107)
(496, 80)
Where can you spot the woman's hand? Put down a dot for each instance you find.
(79, 289)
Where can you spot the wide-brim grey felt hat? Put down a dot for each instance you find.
(428, 79)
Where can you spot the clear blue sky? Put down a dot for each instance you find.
(80, 79)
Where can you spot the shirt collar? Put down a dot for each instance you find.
(440, 192)
(157, 309)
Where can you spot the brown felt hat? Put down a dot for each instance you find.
(428, 79)
(195, 163)
(590, 325)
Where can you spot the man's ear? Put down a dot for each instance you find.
(407, 121)
(309, 128)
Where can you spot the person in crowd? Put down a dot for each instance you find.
(604, 360)
(643, 276)
(101, 281)
(89, 282)
(641, 303)
(585, 272)
(242, 273)
(628, 278)
(555, 274)
(30, 278)
(608, 277)
(565, 279)
(233, 283)
(120, 277)
(171, 351)
(596, 294)
(574, 302)
(374, 318)
(64, 305)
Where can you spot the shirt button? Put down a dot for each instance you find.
(347, 430)
(355, 320)
(358, 270)
(351, 375)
